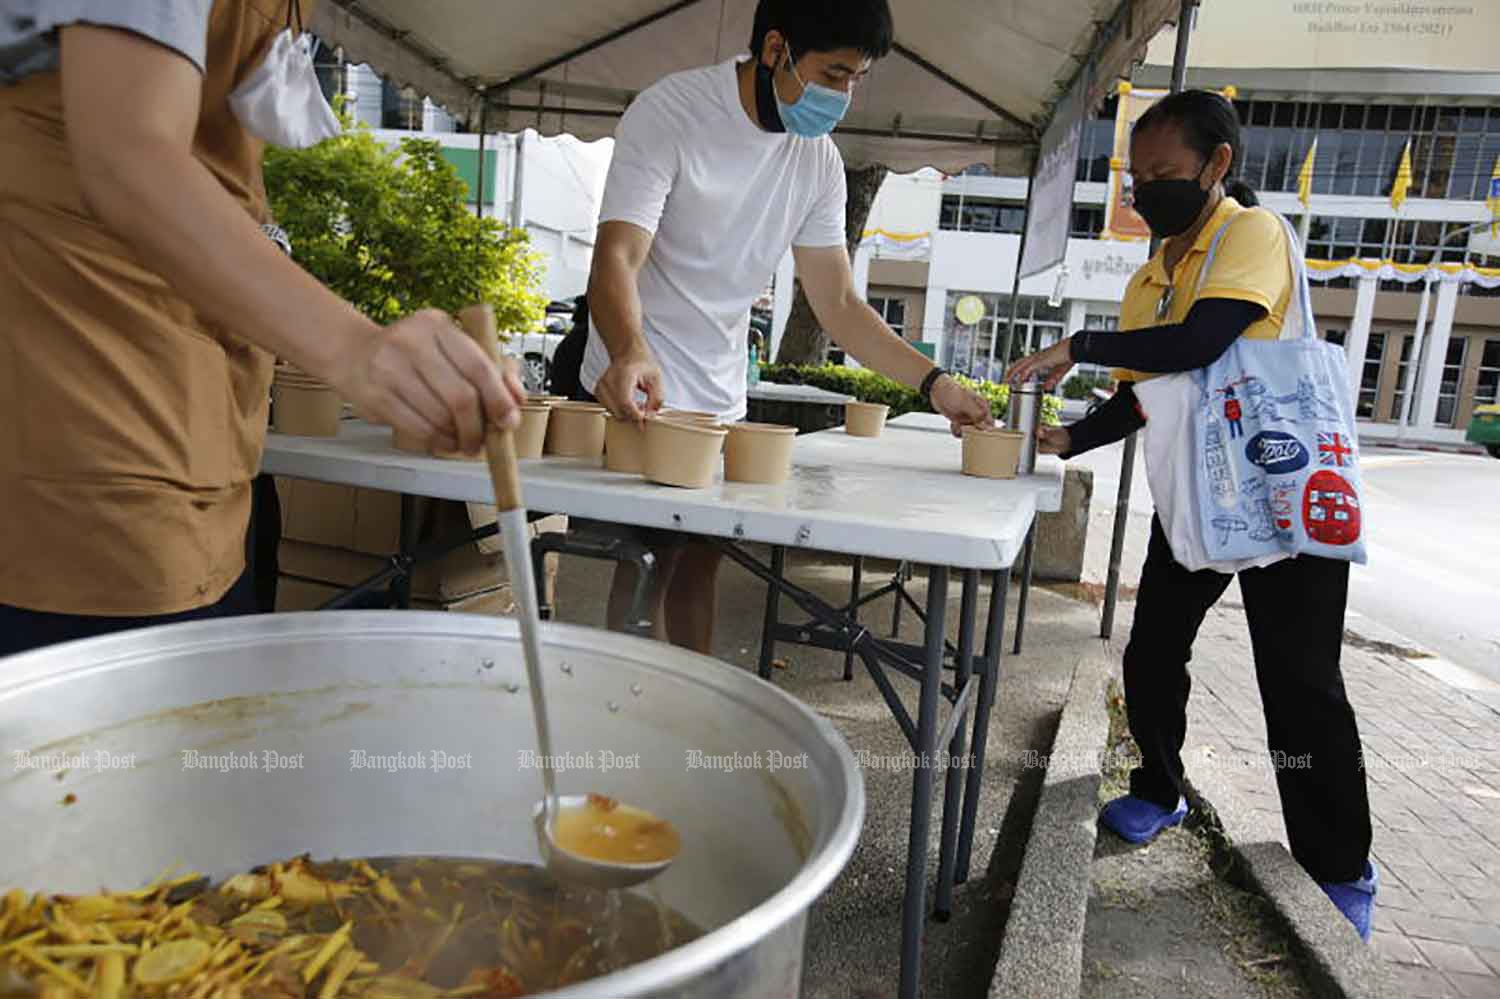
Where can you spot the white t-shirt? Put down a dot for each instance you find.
(724, 200)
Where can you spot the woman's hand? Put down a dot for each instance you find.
(1053, 440)
(425, 377)
(1056, 359)
(963, 407)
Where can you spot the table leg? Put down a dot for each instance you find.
(989, 679)
(922, 776)
(901, 578)
(854, 588)
(773, 610)
(401, 585)
(954, 776)
(1025, 585)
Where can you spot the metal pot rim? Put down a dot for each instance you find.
(22, 673)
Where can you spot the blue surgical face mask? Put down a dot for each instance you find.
(817, 112)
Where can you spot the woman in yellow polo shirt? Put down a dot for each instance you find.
(1183, 154)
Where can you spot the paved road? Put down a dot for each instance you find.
(1434, 572)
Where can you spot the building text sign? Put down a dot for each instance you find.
(1442, 35)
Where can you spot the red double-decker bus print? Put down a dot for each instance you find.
(1330, 509)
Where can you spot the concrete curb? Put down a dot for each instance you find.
(1042, 954)
(1338, 964)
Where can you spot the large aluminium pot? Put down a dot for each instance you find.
(126, 712)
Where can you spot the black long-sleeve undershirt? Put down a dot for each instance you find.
(1211, 326)
(1116, 419)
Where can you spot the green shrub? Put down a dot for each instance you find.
(869, 386)
(389, 230)
(1082, 386)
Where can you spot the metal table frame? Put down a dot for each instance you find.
(972, 687)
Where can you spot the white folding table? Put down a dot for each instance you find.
(899, 497)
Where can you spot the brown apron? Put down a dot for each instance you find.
(132, 427)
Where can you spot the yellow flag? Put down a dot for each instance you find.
(1304, 179)
(1402, 183)
(1493, 201)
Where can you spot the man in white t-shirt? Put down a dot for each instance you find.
(716, 172)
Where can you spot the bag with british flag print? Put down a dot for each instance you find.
(1276, 451)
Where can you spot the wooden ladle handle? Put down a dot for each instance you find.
(500, 445)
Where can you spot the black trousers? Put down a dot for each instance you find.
(22, 630)
(1295, 609)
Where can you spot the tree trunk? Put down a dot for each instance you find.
(804, 341)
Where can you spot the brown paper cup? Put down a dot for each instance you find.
(306, 412)
(408, 443)
(759, 453)
(624, 446)
(864, 419)
(679, 453)
(575, 430)
(531, 435)
(688, 415)
(992, 454)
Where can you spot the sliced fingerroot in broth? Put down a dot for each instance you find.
(392, 928)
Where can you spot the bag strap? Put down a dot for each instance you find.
(1301, 291)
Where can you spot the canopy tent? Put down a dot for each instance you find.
(969, 82)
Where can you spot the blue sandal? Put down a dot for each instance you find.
(1355, 899)
(1137, 820)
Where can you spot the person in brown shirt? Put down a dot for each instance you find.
(141, 307)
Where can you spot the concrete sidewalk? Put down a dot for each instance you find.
(1433, 763)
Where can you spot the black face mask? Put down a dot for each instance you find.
(765, 100)
(1170, 207)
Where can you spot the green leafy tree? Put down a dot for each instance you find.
(388, 230)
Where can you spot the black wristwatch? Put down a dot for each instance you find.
(925, 391)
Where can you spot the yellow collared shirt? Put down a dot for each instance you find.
(1252, 265)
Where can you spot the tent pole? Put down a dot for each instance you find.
(483, 125)
(1015, 284)
(1127, 461)
(518, 183)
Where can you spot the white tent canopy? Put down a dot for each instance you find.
(971, 81)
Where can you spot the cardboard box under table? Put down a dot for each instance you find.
(335, 538)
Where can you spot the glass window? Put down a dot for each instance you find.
(967, 214)
(1336, 336)
(1453, 367)
(1279, 164)
(1088, 221)
(1487, 392)
(1255, 144)
(400, 107)
(1398, 397)
(968, 348)
(1369, 381)
(893, 311)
